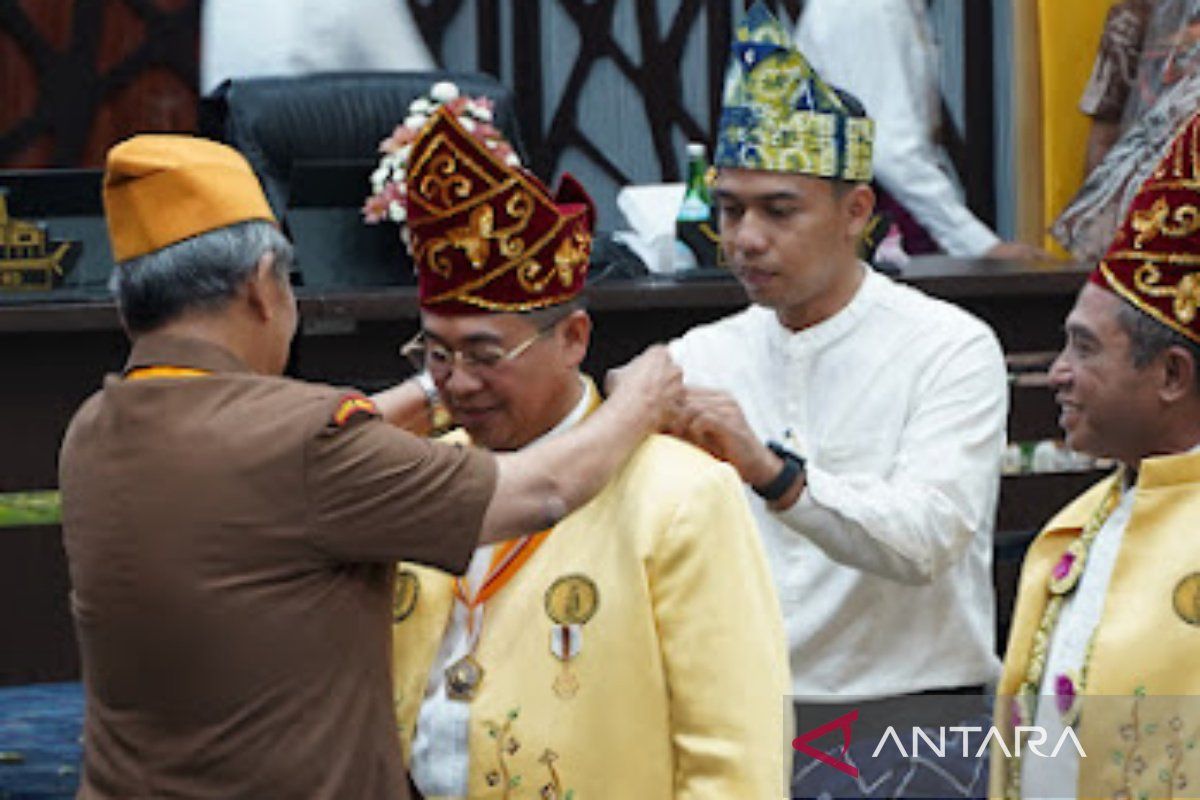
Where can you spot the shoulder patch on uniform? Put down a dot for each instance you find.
(351, 406)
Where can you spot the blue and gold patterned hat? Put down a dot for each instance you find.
(779, 115)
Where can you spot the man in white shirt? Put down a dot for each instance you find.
(898, 85)
(885, 409)
(269, 38)
(1106, 631)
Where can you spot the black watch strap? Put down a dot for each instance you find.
(777, 487)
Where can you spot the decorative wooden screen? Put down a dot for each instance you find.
(78, 75)
(664, 31)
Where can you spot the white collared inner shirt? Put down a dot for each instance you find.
(441, 753)
(1058, 777)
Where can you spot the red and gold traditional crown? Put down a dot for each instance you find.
(1154, 261)
(487, 237)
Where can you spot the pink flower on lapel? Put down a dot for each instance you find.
(1063, 568)
(1066, 572)
(1064, 693)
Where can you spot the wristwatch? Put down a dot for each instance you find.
(777, 487)
(439, 416)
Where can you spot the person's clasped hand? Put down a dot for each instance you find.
(652, 379)
(713, 421)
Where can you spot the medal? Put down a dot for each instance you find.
(572, 600)
(565, 643)
(464, 675)
(1186, 599)
(404, 596)
(566, 685)
(463, 678)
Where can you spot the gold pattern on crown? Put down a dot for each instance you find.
(446, 179)
(1160, 220)
(572, 254)
(475, 239)
(466, 292)
(1186, 293)
(443, 183)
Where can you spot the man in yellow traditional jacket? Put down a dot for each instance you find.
(649, 665)
(1105, 640)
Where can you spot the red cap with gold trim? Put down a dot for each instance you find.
(487, 237)
(1154, 261)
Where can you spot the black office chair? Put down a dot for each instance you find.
(313, 140)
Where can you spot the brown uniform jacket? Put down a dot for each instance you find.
(229, 538)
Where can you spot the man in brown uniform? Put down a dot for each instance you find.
(230, 532)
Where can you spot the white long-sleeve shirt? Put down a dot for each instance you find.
(883, 567)
(898, 84)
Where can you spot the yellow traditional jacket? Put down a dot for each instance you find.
(682, 675)
(1139, 721)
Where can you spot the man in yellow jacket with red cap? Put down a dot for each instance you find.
(635, 649)
(1105, 639)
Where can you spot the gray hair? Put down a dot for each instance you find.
(544, 317)
(1148, 338)
(200, 273)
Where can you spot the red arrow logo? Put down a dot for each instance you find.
(843, 723)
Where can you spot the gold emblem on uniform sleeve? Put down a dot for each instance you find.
(572, 600)
(1187, 599)
(404, 596)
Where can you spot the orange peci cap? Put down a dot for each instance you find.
(160, 189)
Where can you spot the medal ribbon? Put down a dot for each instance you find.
(507, 559)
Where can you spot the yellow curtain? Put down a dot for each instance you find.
(1026, 124)
(1068, 33)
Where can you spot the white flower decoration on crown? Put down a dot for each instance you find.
(388, 199)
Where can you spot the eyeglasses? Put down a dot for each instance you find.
(480, 357)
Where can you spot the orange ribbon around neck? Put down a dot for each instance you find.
(464, 675)
(142, 373)
(507, 559)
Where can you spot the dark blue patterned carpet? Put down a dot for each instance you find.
(40, 751)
